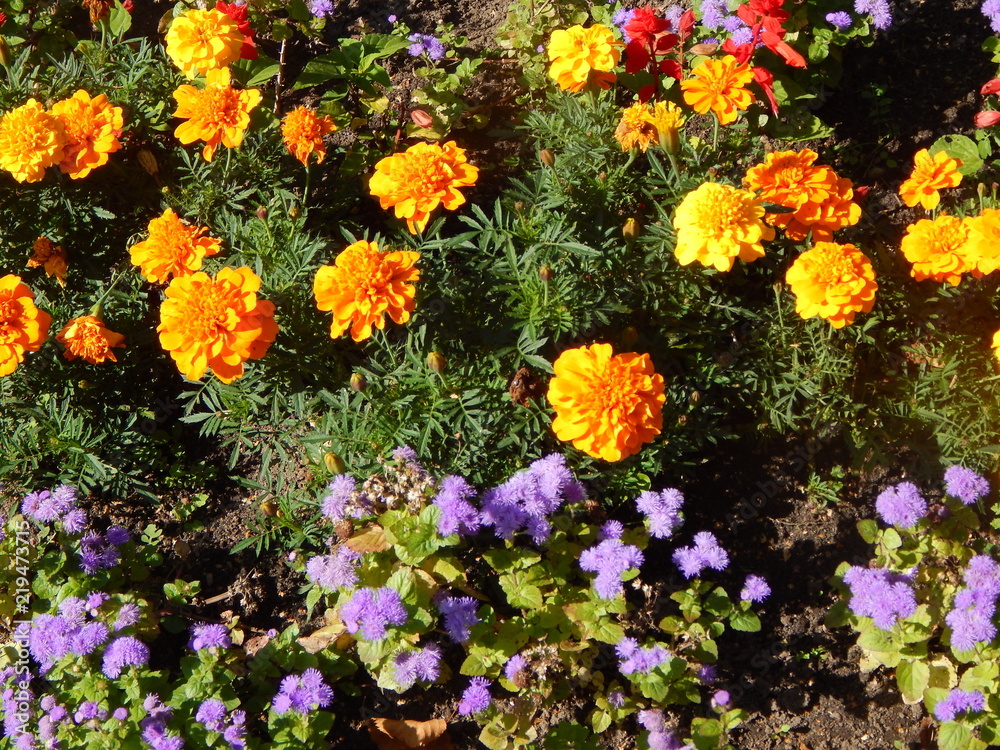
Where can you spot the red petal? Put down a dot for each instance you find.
(636, 57)
(990, 87)
(765, 80)
(986, 119)
(646, 92)
(686, 25)
(671, 68)
(665, 43)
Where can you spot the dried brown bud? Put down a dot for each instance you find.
(703, 49)
(548, 158)
(545, 273)
(519, 206)
(631, 230)
(358, 382)
(261, 212)
(437, 362)
(344, 529)
(421, 119)
(269, 508)
(682, 420)
(148, 161)
(295, 212)
(334, 463)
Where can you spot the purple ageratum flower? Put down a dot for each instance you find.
(209, 635)
(120, 713)
(616, 699)
(459, 615)
(720, 698)
(128, 615)
(234, 733)
(877, 593)
(659, 737)
(514, 666)
(424, 665)
(123, 652)
(673, 14)
(704, 553)
(331, 572)
(40, 506)
(633, 658)
(392, 18)
(662, 511)
(372, 610)
(965, 484)
(706, 673)
(75, 521)
(879, 10)
(338, 496)
(51, 637)
(118, 536)
(732, 24)
(841, 20)
(991, 9)
(755, 589)
(610, 559)
(153, 727)
(901, 505)
(212, 713)
(458, 515)
(621, 19)
(321, 8)
(610, 530)
(983, 574)
(94, 601)
(302, 693)
(712, 13)
(958, 702)
(476, 697)
(971, 625)
(426, 43)
(97, 552)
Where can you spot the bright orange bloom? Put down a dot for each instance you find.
(580, 56)
(718, 85)
(832, 281)
(23, 327)
(173, 248)
(363, 285)
(216, 323)
(642, 124)
(821, 200)
(31, 139)
(203, 40)
(215, 114)
(87, 338)
(303, 131)
(716, 224)
(92, 127)
(930, 174)
(418, 180)
(51, 257)
(607, 405)
(938, 249)
(983, 250)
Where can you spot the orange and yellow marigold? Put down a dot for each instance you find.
(983, 249)
(23, 327)
(607, 405)
(938, 249)
(202, 40)
(716, 224)
(930, 174)
(303, 131)
(215, 114)
(582, 56)
(719, 86)
(91, 127)
(173, 248)
(642, 124)
(364, 285)
(216, 324)
(418, 180)
(50, 256)
(31, 139)
(832, 281)
(87, 338)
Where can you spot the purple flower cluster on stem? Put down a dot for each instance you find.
(971, 617)
(423, 664)
(458, 515)
(660, 738)
(51, 637)
(338, 570)
(209, 635)
(476, 697)
(335, 504)
(100, 551)
(879, 10)
(124, 651)
(901, 505)
(991, 9)
(662, 511)
(959, 702)
(372, 610)
(459, 614)
(755, 589)
(154, 726)
(426, 43)
(633, 658)
(965, 484)
(880, 594)
(610, 559)
(704, 553)
(213, 716)
(59, 504)
(840, 19)
(302, 693)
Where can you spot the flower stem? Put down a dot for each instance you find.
(305, 190)
(715, 131)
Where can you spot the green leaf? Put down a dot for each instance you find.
(868, 530)
(600, 720)
(119, 20)
(706, 733)
(953, 736)
(891, 539)
(959, 147)
(913, 678)
(748, 622)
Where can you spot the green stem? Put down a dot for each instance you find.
(715, 132)
(673, 167)
(110, 288)
(305, 190)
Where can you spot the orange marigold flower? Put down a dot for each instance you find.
(716, 224)
(173, 248)
(92, 127)
(607, 405)
(832, 281)
(938, 249)
(87, 338)
(580, 56)
(203, 40)
(303, 131)
(51, 257)
(215, 114)
(216, 324)
(365, 284)
(718, 85)
(418, 180)
(31, 139)
(642, 124)
(930, 174)
(23, 327)
(98, 9)
(996, 345)
(983, 250)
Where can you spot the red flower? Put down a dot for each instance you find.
(986, 119)
(3, 18)
(990, 87)
(645, 26)
(128, 5)
(239, 12)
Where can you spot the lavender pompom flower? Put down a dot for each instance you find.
(958, 702)
(423, 665)
(123, 652)
(621, 19)
(755, 589)
(660, 738)
(118, 536)
(662, 511)
(879, 594)
(476, 697)
(610, 559)
(209, 635)
(965, 484)
(991, 9)
(99, 552)
(459, 615)
(633, 658)
(372, 610)
(514, 666)
(51, 637)
(840, 20)
(704, 553)
(458, 515)
(120, 713)
(616, 698)
(75, 521)
(211, 713)
(426, 43)
(154, 726)
(879, 10)
(331, 572)
(338, 497)
(901, 505)
(712, 13)
(128, 615)
(321, 8)
(302, 693)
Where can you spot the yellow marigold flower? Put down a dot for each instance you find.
(173, 248)
(580, 56)
(938, 249)
(51, 257)
(31, 139)
(930, 174)
(23, 327)
(418, 180)
(716, 224)
(996, 345)
(92, 127)
(203, 40)
(87, 338)
(666, 117)
(303, 131)
(983, 250)
(215, 114)
(832, 281)
(607, 405)
(365, 284)
(216, 324)
(718, 85)
(641, 125)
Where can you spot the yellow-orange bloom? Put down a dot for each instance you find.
(938, 249)
(832, 281)
(215, 114)
(641, 125)
(580, 56)
(365, 284)
(51, 257)
(418, 180)
(31, 139)
(303, 131)
(23, 327)
(92, 127)
(930, 174)
(216, 324)
(203, 40)
(718, 85)
(983, 250)
(607, 405)
(173, 248)
(716, 224)
(996, 345)
(87, 338)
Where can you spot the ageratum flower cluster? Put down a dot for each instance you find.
(302, 693)
(971, 619)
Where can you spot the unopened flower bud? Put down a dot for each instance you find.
(358, 382)
(670, 141)
(545, 273)
(269, 508)
(148, 161)
(334, 463)
(694, 398)
(519, 206)
(548, 158)
(981, 189)
(261, 212)
(602, 176)
(437, 362)
(703, 49)
(629, 336)
(294, 212)
(344, 529)
(421, 119)
(4, 52)
(631, 230)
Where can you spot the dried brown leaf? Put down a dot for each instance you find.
(369, 539)
(390, 734)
